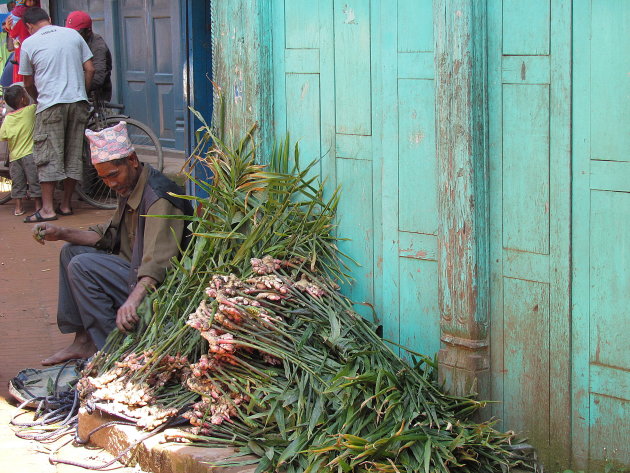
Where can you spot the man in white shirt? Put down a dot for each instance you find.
(57, 67)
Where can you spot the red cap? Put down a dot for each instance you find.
(77, 20)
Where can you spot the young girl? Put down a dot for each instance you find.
(17, 129)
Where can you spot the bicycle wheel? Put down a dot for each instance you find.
(5, 189)
(148, 149)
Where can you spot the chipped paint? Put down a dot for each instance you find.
(421, 254)
(305, 89)
(350, 15)
(416, 138)
(238, 97)
(241, 63)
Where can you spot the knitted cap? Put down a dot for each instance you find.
(78, 20)
(109, 144)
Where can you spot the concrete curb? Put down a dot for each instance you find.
(153, 454)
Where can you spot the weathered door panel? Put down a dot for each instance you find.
(529, 110)
(151, 66)
(353, 82)
(601, 233)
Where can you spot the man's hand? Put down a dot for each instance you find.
(43, 232)
(127, 317)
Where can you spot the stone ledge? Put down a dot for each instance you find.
(153, 454)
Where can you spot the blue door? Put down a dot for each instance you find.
(144, 37)
(529, 106)
(601, 234)
(151, 66)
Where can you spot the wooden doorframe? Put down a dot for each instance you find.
(198, 91)
(462, 154)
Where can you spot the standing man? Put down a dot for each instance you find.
(57, 67)
(101, 86)
(106, 271)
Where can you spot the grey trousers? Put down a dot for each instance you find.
(92, 286)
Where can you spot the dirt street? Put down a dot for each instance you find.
(28, 290)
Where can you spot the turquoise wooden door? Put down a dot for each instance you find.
(529, 108)
(601, 232)
(353, 82)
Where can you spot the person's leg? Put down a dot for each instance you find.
(19, 208)
(68, 189)
(68, 316)
(91, 289)
(76, 120)
(34, 188)
(18, 185)
(47, 209)
(48, 156)
(99, 283)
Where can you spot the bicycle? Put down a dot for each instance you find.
(5, 184)
(92, 189)
(146, 143)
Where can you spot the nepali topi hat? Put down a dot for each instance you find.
(110, 143)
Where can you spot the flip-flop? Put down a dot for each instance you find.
(58, 211)
(38, 218)
(17, 214)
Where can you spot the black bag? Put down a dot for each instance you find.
(32, 384)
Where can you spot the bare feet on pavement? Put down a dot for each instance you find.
(82, 347)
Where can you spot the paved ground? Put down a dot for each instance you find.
(28, 456)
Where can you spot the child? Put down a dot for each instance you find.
(17, 129)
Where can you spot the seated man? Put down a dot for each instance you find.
(105, 272)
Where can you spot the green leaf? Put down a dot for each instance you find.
(427, 456)
(291, 450)
(256, 448)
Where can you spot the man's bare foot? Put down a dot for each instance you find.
(82, 347)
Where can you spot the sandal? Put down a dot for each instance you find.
(37, 217)
(17, 214)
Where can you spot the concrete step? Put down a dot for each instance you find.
(153, 454)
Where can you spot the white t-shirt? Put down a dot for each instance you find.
(54, 55)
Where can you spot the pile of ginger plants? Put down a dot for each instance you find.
(251, 341)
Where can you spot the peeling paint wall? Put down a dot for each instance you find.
(242, 74)
(448, 124)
